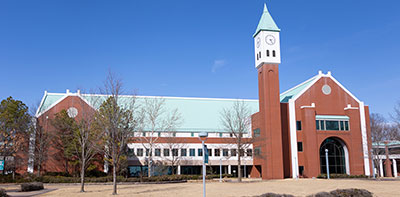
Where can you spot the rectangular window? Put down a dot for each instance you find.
(220, 134)
(217, 152)
(157, 152)
(241, 152)
(249, 152)
(332, 125)
(200, 152)
(144, 134)
(175, 152)
(183, 152)
(300, 146)
(159, 134)
(301, 170)
(317, 124)
(225, 152)
(346, 126)
(341, 125)
(192, 134)
(256, 132)
(233, 152)
(148, 152)
(209, 152)
(192, 152)
(298, 125)
(131, 152)
(140, 152)
(257, 151)
(166, 152)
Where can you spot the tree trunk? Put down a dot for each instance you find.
(239, 165)
(83, 173)
(39, 168)
(114, 177)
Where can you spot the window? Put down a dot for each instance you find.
(225, 152)
(159, 134)
(220, 134)
(217, 152)
(301, 170)
(230, 135)
(148, 152)
(174, 134)
(259, 53)
(298, 125)
(257, 56)
(166, 152)
(273, 53)
(233, 152)
(139, 152)
(200, 152)
(256, 132)
(183, 152)
(192, 134)
(157, 152)
(131, 152)
(249, 152)
(192, 152)
(144, 134)
(209, 152)
(300, 146)
(241, 152)
(257, 151)
(175, 152)
(332, 125)
(267, 53)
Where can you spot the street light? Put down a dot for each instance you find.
(203, 137)
(327, 163)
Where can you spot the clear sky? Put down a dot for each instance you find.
(196, 48)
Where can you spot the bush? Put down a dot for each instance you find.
(344, 193)
(3, 193)
(56, 174)
(26, 187)
(342, 176)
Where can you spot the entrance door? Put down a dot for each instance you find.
(336, 155)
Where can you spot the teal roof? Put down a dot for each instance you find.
(266, 22)
(48, 100)
(198, 114)
(389, 143)
(291, 93)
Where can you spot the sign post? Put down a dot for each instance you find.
(203, 137)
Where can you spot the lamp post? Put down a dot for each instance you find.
(373, 164)
(220, 169)
(203, 137)
(327, 163)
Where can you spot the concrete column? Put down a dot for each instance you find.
(381, 168)
(395, 167)
(178, 170)
(229, 169)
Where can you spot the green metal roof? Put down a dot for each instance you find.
(331, 117)
(266, 22)
(198, 114)
(48, 100)
(284, 97)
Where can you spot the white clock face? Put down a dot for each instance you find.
(270, 39)
(258, 42)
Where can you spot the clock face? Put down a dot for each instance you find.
(270, 39)
(258, 42)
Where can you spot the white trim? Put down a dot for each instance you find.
(350, 107)
(52, 105)
(312, 78)
(364, 139)
(308, 87)
(347, 91)
(41, 103)
(311, 106)
(293, 138)
(346, 157)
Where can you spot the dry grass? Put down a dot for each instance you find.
(300, 187)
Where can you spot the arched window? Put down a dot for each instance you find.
(273, 53)
(267, 53)
(336, 156)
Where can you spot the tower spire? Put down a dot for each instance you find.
(266, 22)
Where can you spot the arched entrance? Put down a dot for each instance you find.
(337, 154)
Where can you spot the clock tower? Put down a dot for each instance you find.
(267, 60)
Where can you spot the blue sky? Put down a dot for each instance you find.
(196, 48)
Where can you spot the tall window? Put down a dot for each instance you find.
(166, 152)
(249, 152)
(225, 152)
(233, 152)
(267, 53)
(209, 152)
(183, 152)
(256, 132)
(139, 152)
(200, 152)
(148, 152)
(257, 151)
(175, 152)
(157, 152)
(273, 53)
(217, 152)
(192, 152)
(298, 125)
(131, 152)
(300, 146)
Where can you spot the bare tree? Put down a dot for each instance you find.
(156, 120)
(237, 120)
(174, 144)
(42, 140)
(396, 119)
(117, 121)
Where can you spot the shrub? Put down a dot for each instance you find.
(276, 195)
(26, 187)
(344, 193)
(342, 176)
(3, 193)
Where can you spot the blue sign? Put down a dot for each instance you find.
(206, 154)
(1, 164)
